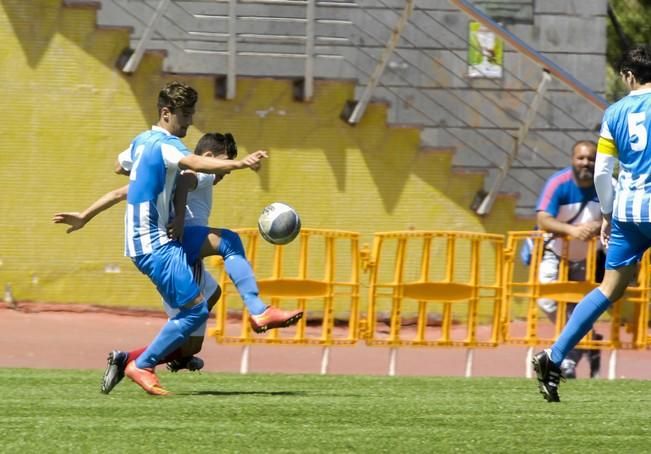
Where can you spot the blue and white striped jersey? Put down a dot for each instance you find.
(154, 155)
(199, 203)
(624, 135)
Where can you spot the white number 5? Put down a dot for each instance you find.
(637, 134)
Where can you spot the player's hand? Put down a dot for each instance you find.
(74, 219)
(581, 232)
(595, 228)
(175, 229)
(606, 226)
(254, 160)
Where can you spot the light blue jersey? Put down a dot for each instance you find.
(625, 136)
(155, 155)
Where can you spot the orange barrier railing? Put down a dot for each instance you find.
(426, 289)
(628, 317)
(423, 283)
(317, 273)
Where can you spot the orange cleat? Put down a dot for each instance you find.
(272, 318)
(146, 379)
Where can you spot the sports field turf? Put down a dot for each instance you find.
(63, 411)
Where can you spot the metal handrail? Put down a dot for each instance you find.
(134, 60)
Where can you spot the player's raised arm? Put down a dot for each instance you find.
(78, 220)
(214, 165)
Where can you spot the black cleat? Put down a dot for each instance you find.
(114, 373)
(549, 376)
(191, 363)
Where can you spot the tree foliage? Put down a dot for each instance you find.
(629, 24)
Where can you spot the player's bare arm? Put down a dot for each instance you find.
(216, 166)
(78, 220)
(550, 224)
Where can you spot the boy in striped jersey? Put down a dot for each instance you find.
(626, 224)
(158, 156)
(198, 241)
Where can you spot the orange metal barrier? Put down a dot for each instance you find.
(426, 288)
(317, 273)
(628, 317)
(424, 284)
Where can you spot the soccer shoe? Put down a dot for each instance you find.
(191, 363)
(272, 318)
(568, 368)
(146, 379)
(549, 376)
(114, 373)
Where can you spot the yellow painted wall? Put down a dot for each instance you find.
(68, 112)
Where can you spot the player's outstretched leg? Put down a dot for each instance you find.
(548, 374)
(239, 270)
(171, 336)
(183, 357)
(114, 373)
(583, 317)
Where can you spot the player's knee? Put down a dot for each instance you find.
(613, 293)
(196, 312)
(615, 282)
(230, 244)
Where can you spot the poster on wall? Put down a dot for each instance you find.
(485, 52)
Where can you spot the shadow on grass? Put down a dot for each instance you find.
(243, 393)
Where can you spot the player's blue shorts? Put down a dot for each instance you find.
(168, 269)
(628, 242)
(193, 238)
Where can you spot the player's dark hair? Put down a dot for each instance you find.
(176, 95)
(217, 143)
(637, 60)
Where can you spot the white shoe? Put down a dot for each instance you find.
(568, 368)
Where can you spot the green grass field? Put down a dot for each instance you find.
(63, 411)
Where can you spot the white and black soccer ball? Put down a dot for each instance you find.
(279, 223)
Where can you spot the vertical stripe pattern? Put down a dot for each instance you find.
(154, 159)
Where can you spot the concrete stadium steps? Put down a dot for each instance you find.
(424, 83)
(407, 104)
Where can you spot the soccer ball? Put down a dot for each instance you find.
(279, 223)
